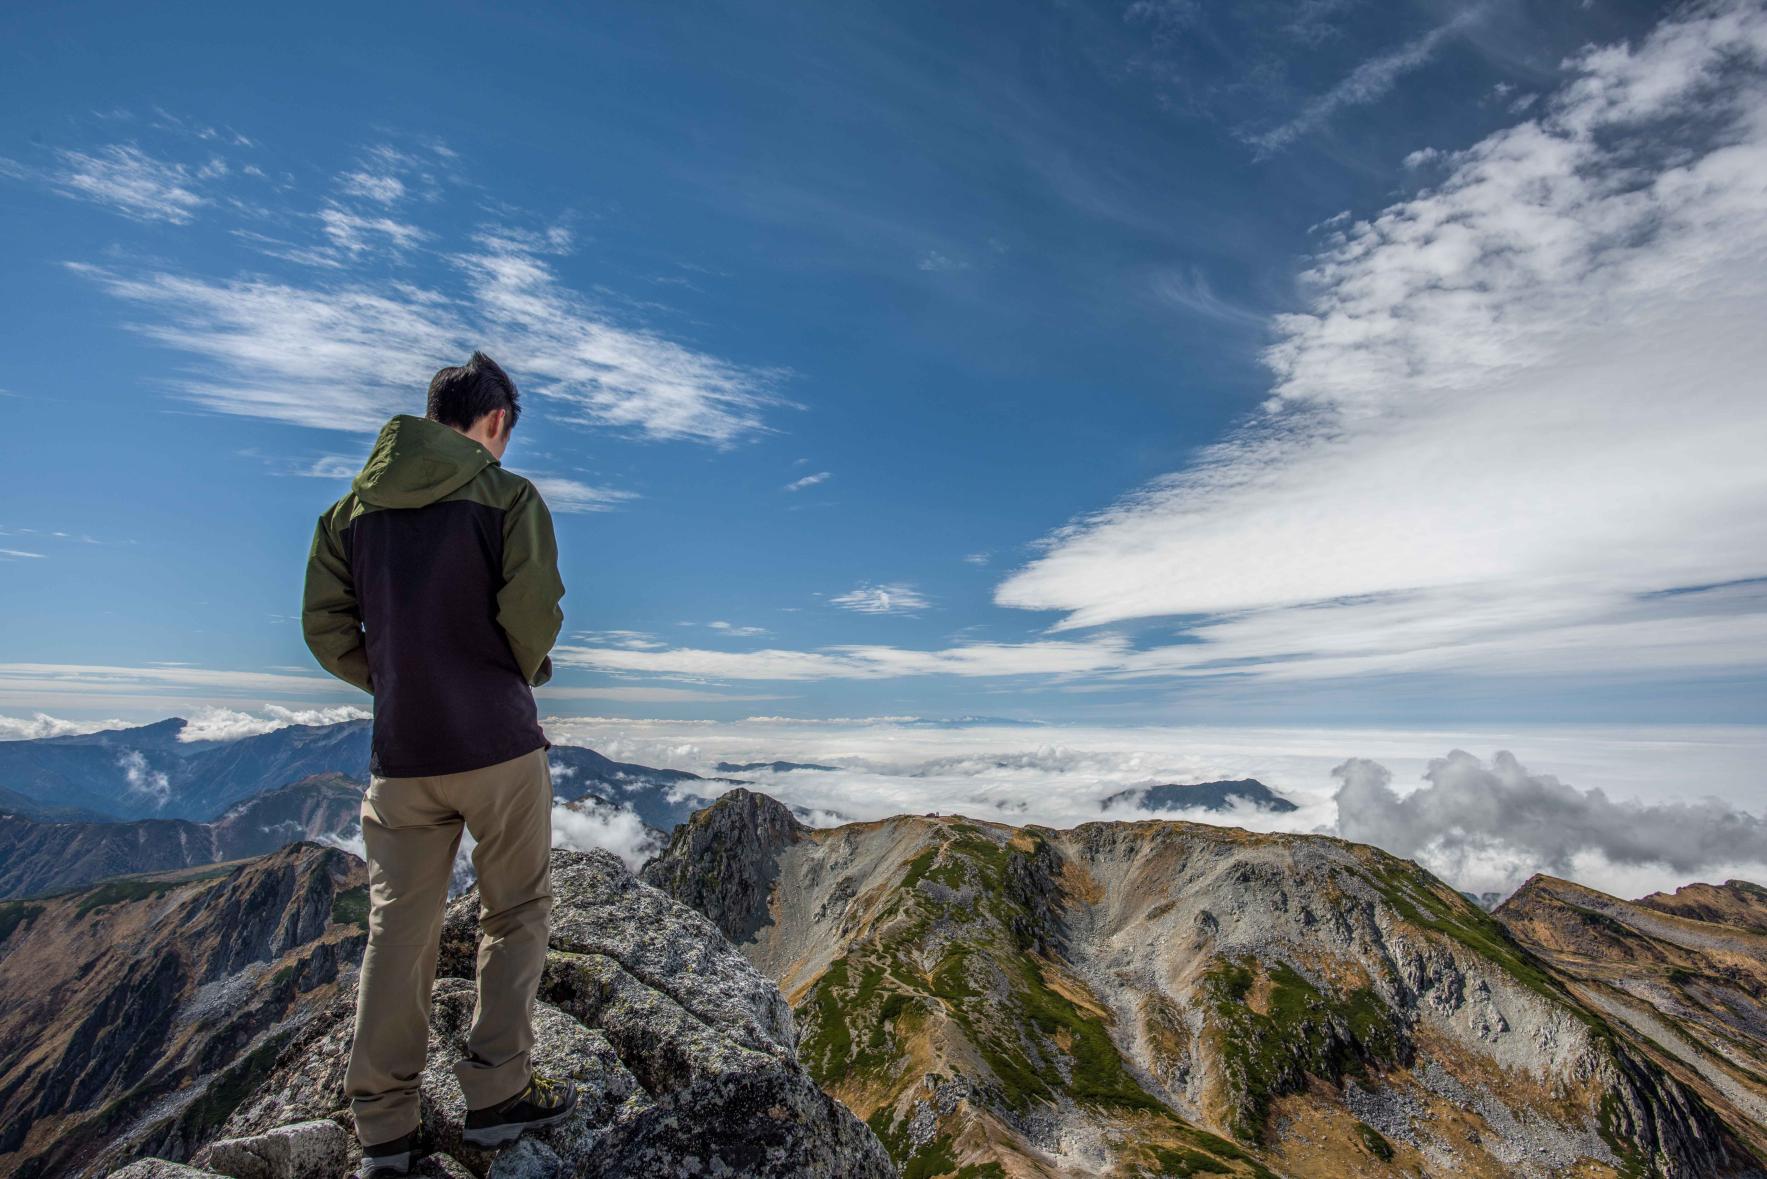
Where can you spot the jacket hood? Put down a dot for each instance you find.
(417, 461)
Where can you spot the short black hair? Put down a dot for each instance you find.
(461, 395)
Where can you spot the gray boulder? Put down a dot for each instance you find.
(160, 1169)
(684, 1056)
(287, 1152)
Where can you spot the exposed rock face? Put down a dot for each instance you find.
(1688, 992)
(137, 1012)
(1169, 998)
(38, 858)
(723, 861)
(683, 1053)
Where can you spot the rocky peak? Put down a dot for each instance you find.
(723, 861)
(684, 1056)
(1178, 998)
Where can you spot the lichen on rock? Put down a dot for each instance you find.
(684, 1056)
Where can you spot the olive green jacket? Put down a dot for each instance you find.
(434, 585)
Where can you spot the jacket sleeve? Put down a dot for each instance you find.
(527, 605)
(329, 617)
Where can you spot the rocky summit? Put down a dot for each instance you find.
(684, 1054)
(1168, 998)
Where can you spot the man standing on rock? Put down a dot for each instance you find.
(433, 585)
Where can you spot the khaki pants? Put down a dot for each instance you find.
(411, 827)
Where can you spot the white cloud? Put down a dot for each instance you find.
(1189, 289)
(383, 187)
(226, 724)
(264, 344)
(809, 481)
(143, 779)
(40, 725)
(978, 558)
(894, 598)
(1489, 828)
(607, 374)
(129, 181)
(569, 495)
(336, 467)
(259, 342)
(20, 555)
(354, 233)
(644, 694)
(939, 263)
(1520, 416)
(162, 688)
(1368, 82)
(637, 640)
(618, 831)
(735, 631)
(1050, 658)
(350, 841)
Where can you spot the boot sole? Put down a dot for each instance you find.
(396, 1164)
(493, 1136)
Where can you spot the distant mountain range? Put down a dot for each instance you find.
(78, 809)
(149, 772)
(38, 857)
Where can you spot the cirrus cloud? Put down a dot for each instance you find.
(1517, 427)
(893, 598)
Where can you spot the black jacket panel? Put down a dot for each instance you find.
(449, 695)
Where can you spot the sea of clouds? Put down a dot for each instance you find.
(1628, 811)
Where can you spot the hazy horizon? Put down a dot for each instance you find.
(1626, 809)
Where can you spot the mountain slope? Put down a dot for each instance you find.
(1689, 992)
(135, 1013)
(1735, 903)
(38, 858)
(1172, 998)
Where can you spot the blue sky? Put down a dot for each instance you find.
(1317, 362)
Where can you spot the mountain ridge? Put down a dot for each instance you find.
(1168, 997)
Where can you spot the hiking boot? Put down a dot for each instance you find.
(544, 1102)
(388, 1159)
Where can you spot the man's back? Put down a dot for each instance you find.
(434, 586)
(448, 561)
